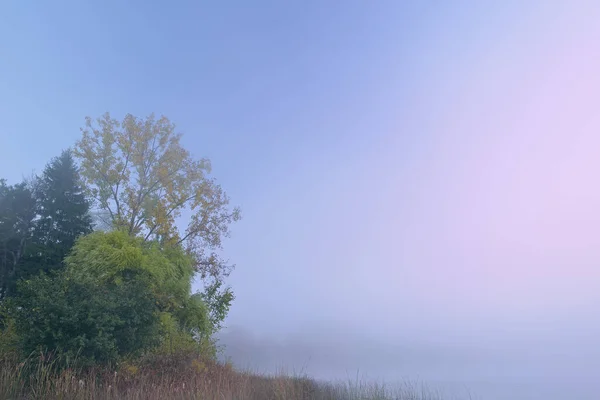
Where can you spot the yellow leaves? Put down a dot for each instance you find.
(128, 369)
(198, 365)
(132, 369)
(162, 173)
(140, 173)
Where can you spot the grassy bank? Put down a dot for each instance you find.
(181, 378)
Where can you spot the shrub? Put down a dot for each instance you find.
(8, 339)
(81, 321)
(177, 340)
(113, 257)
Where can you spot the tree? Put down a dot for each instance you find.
(218, 301)
(115, 257)
(64, 215)
(140, 174)
(79, 320)
(17, 219)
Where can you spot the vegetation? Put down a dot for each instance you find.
(138, 172)
(17, 221)
(77, 319)
(40, 221)
(63, 215)
(89, 298)
(110, 313)
(186, 378)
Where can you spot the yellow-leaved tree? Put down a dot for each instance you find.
(139, 174)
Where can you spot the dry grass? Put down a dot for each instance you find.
(181, 378)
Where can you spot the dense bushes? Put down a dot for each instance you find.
(80, 321)
(117, 296)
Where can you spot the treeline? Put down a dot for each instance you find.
(99, 252)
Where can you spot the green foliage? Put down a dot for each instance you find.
(63, 208)
(177, 340)
(100, 297)
(63, 216)
(9, 340)
(78, 319)
(17, 218)
(112, 257)
(143, 179)
(218, 301)
(193, 316)
(40, 221)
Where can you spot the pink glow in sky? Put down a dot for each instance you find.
(410, 171)
(472, 205)
(512, 174)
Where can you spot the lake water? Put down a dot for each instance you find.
(554, 389)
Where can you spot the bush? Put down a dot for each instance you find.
(111, 257)
(114, 257)
(82, 322)
(9, 341)
(177, 340)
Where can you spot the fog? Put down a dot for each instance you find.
(544, 369)
(418, 182)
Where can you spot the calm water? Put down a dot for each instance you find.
(519, 390)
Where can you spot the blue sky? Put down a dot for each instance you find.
(283, 98)
(411, 172)
(279, 81)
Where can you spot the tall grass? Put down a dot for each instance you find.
(159, 378)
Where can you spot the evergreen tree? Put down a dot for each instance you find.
(63, 216)
(17, 219)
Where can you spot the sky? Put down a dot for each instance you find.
(418, 180)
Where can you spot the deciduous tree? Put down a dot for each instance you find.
(138, 171)
(114, 257)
